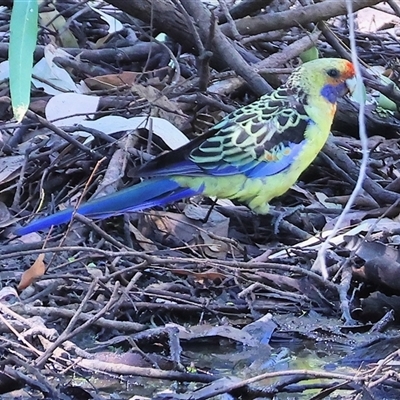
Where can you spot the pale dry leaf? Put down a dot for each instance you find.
(5, 216)
(110, 124)
(71, 108)
(9, 296)
(314, 243)
(10, 167)
(50, 77)
(223, 331)
(145, 243)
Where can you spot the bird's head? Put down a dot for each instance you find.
(329, 78)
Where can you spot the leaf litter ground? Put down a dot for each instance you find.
(230, 301)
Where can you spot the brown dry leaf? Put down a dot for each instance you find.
(166, 109)
(200, 277)
(215, 248)
(188, 229)
(216, 224)
(126, 78)
(157, 224)
(37, 270)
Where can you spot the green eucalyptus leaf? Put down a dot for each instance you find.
(23, 36)
(309, 55)
(384, 101)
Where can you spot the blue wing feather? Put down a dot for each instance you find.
(150, 193)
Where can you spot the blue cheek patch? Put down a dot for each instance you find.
(332, 92)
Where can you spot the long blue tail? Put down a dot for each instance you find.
(150, 193)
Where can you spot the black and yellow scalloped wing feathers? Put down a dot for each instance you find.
(258, 140)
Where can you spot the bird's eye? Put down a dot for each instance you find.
(333, 73)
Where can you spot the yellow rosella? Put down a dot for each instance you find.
(252, 155)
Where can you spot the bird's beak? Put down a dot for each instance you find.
(352, 84)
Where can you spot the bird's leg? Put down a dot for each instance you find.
(210, 210)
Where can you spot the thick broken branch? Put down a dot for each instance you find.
(296, 17)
